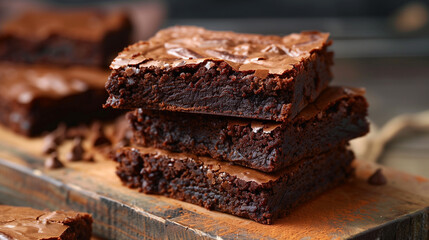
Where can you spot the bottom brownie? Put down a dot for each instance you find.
(220, 186)
(28, 223)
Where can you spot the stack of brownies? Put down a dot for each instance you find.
(240, 123)
(54, 65)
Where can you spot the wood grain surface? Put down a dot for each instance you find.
(353, 210)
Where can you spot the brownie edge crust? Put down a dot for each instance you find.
(228, 188)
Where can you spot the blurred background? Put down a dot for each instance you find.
(380, 45)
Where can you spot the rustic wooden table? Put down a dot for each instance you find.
(353, 210)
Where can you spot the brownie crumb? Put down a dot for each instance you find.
(77, 151)
(377, 178)
(52, 162)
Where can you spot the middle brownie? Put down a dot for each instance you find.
(337, 116)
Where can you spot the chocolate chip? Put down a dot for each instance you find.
(101, 139)
(377, 178)
(52, 162)
(77, 151)
(54, 139)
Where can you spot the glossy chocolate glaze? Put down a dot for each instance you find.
(23, 83)
(26, 223)
(84, 24)
(182, 45)
(326, 99)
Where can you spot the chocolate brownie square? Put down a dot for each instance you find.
(28, 223)
(190, 69)
(35, 99)
(338, 115)
(233, 189)
(89, 38)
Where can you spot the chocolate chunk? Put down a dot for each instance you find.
(54, 139)
(101, 139)
(377, 178)
(52, 162)
(50, 144)
(99, 135)
(77, 151)
(60, 133)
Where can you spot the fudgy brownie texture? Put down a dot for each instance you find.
(190, 69)
(89, 38)
(220, 186)
(337, 116)
(28, 223)
(35, 99)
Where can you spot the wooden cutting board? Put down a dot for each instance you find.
(354, 210)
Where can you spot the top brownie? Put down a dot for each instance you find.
(86, 37)
(191, 69)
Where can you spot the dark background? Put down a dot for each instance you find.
(379, 44)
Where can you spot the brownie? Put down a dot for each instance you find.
(233, 189)
(28, 223)
(338, 115)
(89, 38)
(34, 99)
(190, 69)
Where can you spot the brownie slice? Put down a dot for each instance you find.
(337, 116)
(220, 186)
(28, 223)
(190, 69)
(89, 38)
(34, 99)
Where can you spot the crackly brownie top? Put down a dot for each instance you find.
(181, 45)
(86, 24)
(28, 223)
(24, 83)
